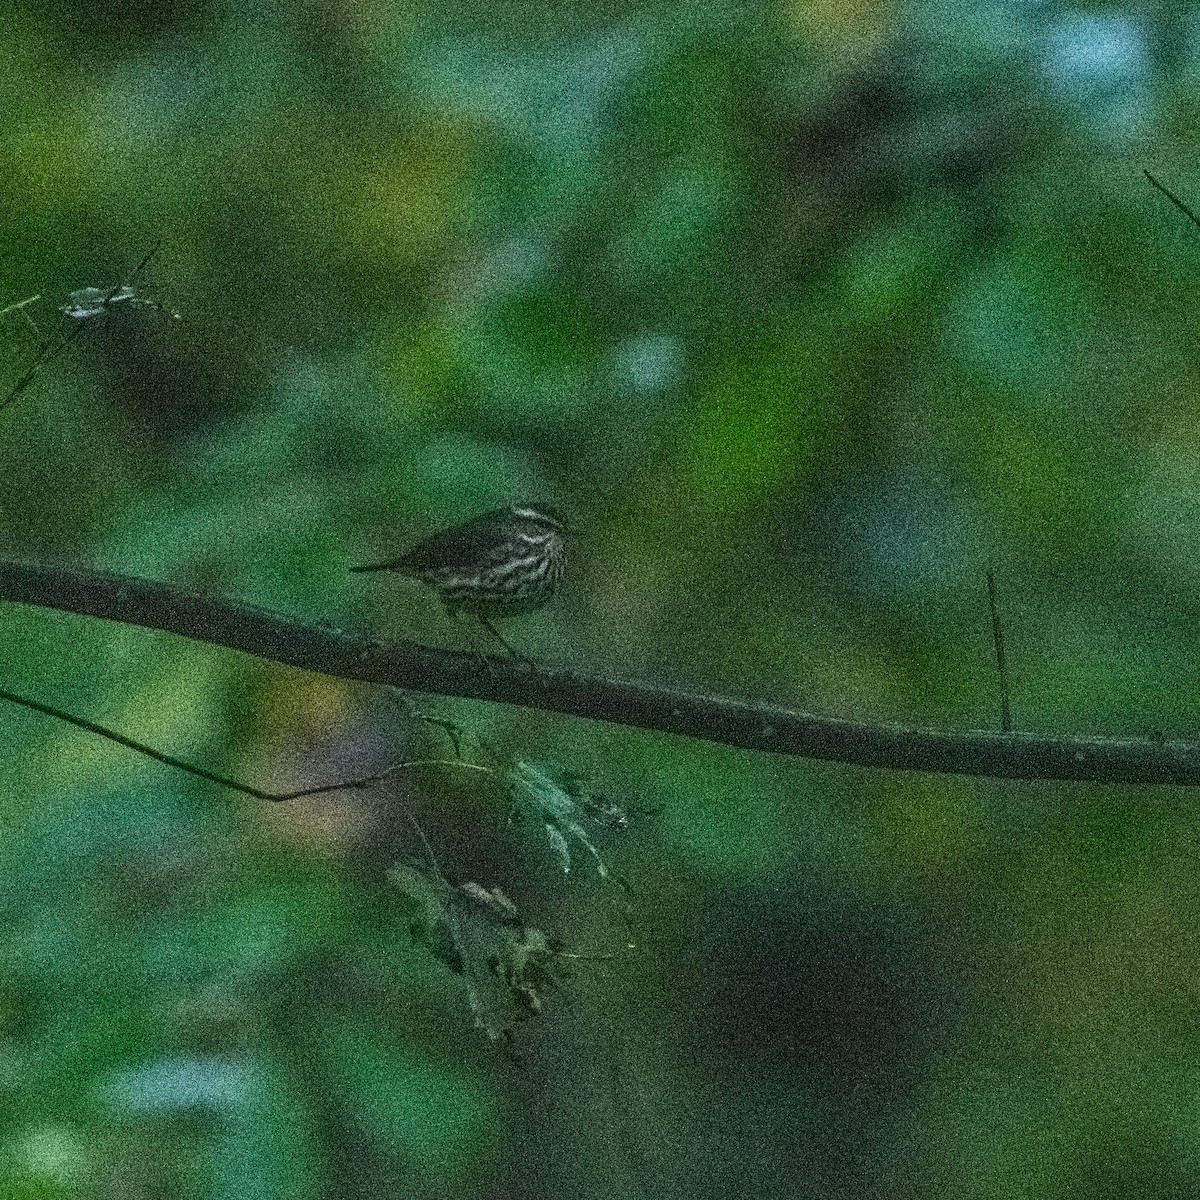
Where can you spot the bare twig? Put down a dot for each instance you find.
(1174, 199)
(18, 304)
(450, 728)
(762, 727)
(1001, 661)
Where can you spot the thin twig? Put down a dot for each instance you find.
(18, 305)
(1001, 661)
(1174, 199)
(246, 789)
(451, 728)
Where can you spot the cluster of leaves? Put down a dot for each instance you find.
(565, 810)
(508, 965)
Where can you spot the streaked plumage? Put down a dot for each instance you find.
(497, 564)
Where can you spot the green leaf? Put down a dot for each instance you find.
(563, 809)
(508, 967)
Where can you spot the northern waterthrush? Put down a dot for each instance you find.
(497, 564)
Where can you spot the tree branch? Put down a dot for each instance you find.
(762, 727)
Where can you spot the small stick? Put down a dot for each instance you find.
(1001, 661)
(513, 651)
(1175, 200)
(452, 730)
(18, 304)
(223, 780)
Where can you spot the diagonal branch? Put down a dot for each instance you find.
(278, 638)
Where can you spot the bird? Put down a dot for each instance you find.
(497, 564)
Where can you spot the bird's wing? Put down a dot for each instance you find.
(465, 546)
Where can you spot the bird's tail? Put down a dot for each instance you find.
(383, 566)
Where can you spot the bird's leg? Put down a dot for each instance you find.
(455, 615)
(504, 642)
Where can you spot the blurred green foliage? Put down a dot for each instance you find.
(808, 313)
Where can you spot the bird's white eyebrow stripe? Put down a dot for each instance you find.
(532, 514)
